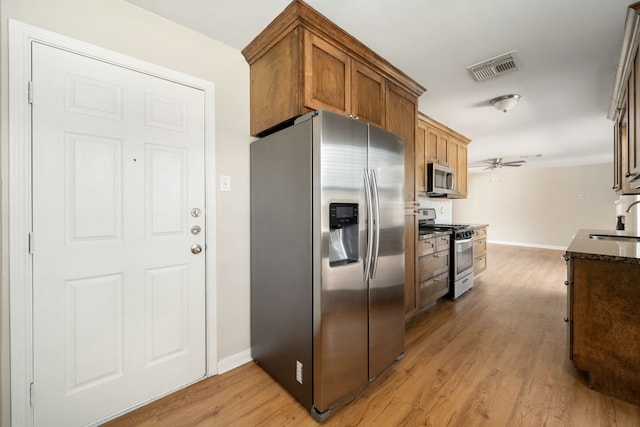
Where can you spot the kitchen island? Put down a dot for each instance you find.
(603, 300)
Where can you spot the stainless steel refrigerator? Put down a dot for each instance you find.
(327, 257)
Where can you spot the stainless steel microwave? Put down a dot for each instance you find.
(440, 179)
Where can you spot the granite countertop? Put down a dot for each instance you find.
(606, 250)
(476, 226)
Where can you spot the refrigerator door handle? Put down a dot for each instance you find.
(376, 221)
(369, 203)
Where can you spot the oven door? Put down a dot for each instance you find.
(462, 258)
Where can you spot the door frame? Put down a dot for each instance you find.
(21, 37)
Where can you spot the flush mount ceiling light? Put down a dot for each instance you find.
(506, 102)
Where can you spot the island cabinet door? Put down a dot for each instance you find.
(569, 319)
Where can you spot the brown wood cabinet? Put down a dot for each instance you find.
(479, 250)
(604, 323)
(436, 143)
(303, 62)
(436, 146)
(401, 119)
(433, 270)
(625, 110)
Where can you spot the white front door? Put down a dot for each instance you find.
(118, 196)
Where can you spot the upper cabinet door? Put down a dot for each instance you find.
(462, 171)
(327, 76)
(443, 149)
(452, 158)
(401, 119)
(368, 94)
(432, 145)
(421, 158)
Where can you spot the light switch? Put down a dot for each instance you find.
(225, 183)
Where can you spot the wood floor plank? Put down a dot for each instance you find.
(495, 357)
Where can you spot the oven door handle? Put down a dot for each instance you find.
(463, 240)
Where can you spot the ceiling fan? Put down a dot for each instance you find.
(498, 162)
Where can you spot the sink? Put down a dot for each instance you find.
(615, 237)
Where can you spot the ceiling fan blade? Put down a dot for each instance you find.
(511, 165)
(515, 162)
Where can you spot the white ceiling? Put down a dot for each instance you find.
(568, 51)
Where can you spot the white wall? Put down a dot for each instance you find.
(124, 28)
(443, 207)
(539, 207)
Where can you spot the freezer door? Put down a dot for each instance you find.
(340, 290)
(386, 286)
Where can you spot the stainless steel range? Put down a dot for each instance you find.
(461, 276)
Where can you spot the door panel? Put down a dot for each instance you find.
(93, 181)
(386, 288)
(118, 297)
(166, 181)
(340, 329)
(94, 304)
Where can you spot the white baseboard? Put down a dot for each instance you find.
(528, 245)
(233, 361)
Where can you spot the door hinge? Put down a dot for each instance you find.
(30, 92)
(31, 243)
(31, 394)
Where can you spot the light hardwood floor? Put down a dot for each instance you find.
(496, 357)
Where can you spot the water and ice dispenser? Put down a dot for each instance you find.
(343, 233)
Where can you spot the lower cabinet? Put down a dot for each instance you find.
(479, 250)
(604, 322)
(433, 270)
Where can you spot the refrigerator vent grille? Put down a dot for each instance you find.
(494, 67)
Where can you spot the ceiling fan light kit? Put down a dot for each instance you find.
(505, 103)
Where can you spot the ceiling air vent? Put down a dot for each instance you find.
(493, 67)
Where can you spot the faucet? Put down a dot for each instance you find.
(632, 205)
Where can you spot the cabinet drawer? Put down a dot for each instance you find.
(480, 233)
(442, 243)
(433, 289)
(433, 265)
(479, 264)
(479, 247)
(426, 247)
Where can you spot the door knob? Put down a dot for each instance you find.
(196, 249)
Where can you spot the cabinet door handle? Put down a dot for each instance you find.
(566, 283)
(566, 319)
